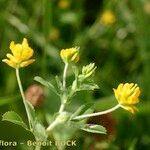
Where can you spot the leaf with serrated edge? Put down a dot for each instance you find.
(13, 117)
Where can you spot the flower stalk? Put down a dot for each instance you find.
(64, 76)
(98, 113)
(64, 99)
(23, 96)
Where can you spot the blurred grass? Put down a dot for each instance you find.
(121, 52)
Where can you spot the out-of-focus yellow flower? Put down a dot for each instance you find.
(21, 54)
(70, 55)
(127, 95)
(108, 18)
(147, 7)
(63, 4)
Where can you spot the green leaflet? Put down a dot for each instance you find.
(88, 86)
(93, 128)
(46, 83)
(59, 83)
(13, 117)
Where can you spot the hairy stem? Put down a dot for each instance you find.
(64, 76)
(98, 113)
(63, 100)
(23, 96)
(62, 107)
(51, 126)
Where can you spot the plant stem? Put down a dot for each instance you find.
(97, 114)
(63, 101)
(64, 76)
(23, 96)
(51, 126)
(62, 107)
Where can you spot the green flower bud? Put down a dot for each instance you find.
(87, 71)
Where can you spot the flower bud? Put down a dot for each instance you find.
(70, 55)
(87, 71)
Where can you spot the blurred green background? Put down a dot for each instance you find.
(114, 34)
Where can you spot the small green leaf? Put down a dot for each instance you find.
(13, 117)
(88, 86)
(75, 70)
(92, 128)
(45, 83)
(82, 110)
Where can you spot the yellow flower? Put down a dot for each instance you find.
(147, 7)
(21, 54)
(70, 55)
(108, 18)
(127, 95)
(63, 4)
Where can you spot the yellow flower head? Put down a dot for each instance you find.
(108, 18)
(127, 95)
(21, 54)
(70, 55)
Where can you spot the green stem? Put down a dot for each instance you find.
(63, 100)
(23, 96)
(97, 114)
(62, 107)
(64, 76)
(52, 126)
